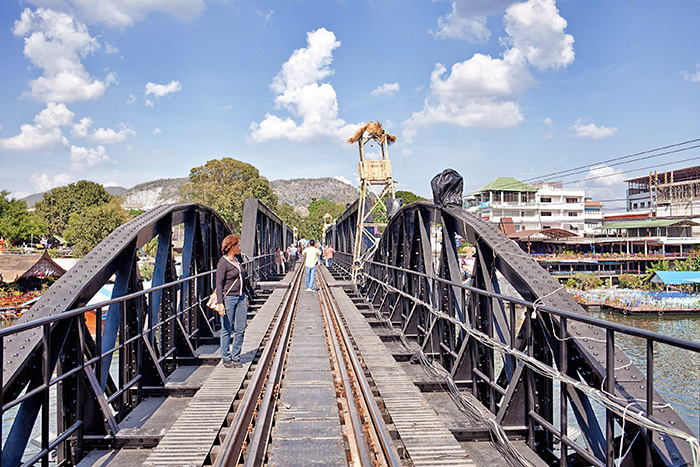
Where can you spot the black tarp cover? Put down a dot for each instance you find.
(447, 188)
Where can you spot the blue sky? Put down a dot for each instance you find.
(124, 92)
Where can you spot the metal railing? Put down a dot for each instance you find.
(532, 357)
(146, 346)
(378, 287)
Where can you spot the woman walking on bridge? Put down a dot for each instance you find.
(233, 304)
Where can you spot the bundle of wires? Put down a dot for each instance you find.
(499, 438)
(620, 407)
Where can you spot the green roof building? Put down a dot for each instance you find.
(530, 207)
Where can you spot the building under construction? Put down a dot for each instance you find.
(675, 193)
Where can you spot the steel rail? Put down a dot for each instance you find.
(388, 450)
(255, 451)
(360, 441)
(234, 443)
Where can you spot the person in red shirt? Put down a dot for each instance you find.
(329, 255)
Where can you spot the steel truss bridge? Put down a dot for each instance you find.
(538, 367)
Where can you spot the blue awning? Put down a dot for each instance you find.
(676, 277)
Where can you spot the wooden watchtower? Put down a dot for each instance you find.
(376, 183)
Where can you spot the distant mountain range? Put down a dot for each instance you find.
(298, 192)
(154, 193)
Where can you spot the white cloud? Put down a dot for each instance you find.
(343, 179)
(46, 182)
(82, 128)
(537, 30)
(83, 158)
(111, 49)
(156, 131)
(132, 99)
(54, 115)
(158, 91)
(484, 91)
(101, 135)
(694, 77)
(110, 136)
(546, 131)
(467, 20)
(45, 134)
(591, 130)
(386, 88)
(299, 92)
(122, 13)
(56, 42)
(480, 92)
(605, 175)
(605, 183)
(266, 15)
(161, 90)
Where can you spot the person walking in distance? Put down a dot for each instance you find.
(279, 260)
(312, 254)
(292, 255)
(329, 255)
(233, 304)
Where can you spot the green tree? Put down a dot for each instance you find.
(288, 215)
(312, 225)
(16, 223)
(586, 281)
(224, 184)
(61, 203)
(88, 228)
(408, 197)
(630, 281)
(147, 271)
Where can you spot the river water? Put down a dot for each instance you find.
(676, 372)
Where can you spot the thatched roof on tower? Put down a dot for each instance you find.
(372, 129)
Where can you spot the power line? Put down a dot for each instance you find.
(635, 170)
(640, 159)
(561, 173)
(514, 185)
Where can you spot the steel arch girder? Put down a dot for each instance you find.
(534, 284)
(73, 290)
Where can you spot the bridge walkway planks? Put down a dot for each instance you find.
(425, 419)
(425, 436)
(190, 428)
(307, 423)
(184, 428)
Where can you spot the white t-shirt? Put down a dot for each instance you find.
(312, 253)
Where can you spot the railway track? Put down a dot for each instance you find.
(324, 411)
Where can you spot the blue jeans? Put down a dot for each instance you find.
(233, 323)
(310, 277)
(329, 262)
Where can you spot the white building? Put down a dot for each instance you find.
(671, 194)
(533, 207)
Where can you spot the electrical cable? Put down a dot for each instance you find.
(606, 399)
(612, 163)
(614, 159)
(499, 438)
